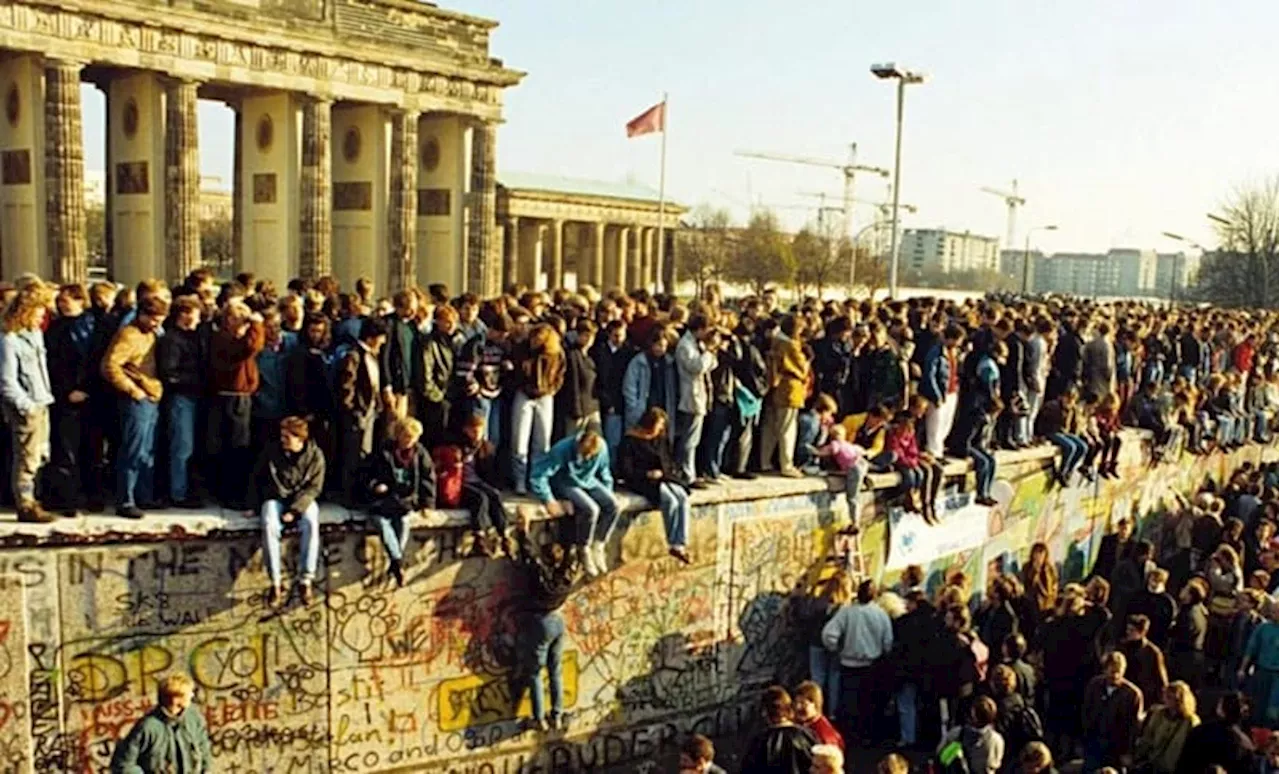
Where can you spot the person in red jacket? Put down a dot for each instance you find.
(808, 710)
(921, 474)
(233, 377)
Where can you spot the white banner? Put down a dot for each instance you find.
(962, 527)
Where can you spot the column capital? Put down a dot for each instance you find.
(65, 63)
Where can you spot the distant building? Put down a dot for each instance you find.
(1011, 266)
(937, 249)
(215, 197)
(1124, 272)
(1175, 273)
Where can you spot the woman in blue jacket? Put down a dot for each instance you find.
(577, 469)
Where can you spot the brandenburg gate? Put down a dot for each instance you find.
(364, 137)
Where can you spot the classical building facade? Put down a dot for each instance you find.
(561, 232)
(364, 137)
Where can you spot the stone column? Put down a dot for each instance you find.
(596, 275)
(646, 257)
(402, 205)
(485, 267)
(511, 261)
(555, 267)
(181, 181)
(624, 253)
(317, 189)
(64, 171)
(237, 191)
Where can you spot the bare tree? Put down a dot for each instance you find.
(215, 243)
(703, 246)
(816, 260)
(763, 255)
(1246, 269)
(870, 270)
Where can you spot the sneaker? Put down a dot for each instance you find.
(307, 592)
(792, 473)
(588, 561)
(31, 512)
(130, 512)
(559, 721)
(681, 554)
(598, 553)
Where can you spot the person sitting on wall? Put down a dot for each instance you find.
(402, 480)
(647, 464)
(286, 481)
(549, 574)
(172, 737)
(577, 469)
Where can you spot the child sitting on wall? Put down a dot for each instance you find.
(850, 460)
(921, 478)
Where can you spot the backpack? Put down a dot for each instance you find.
(953, 758)
(448, 463)
(1023, 725)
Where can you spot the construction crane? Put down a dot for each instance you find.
(1014, 201)
(848, 169)
(883, 207)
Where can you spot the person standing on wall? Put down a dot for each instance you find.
(695, 360)
(940, 385)
(548, 574)
(129, 366)
(788, 374)
(234, 378)
(27, 395)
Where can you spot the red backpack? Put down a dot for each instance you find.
(448, 462)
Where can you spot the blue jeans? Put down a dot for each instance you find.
(595, 510)
(309, 528)
(180, 419)
(673, 501)
(984, 470)
(135, 467)
(715, 439)
(611, 428)
(688, 435)
(530, 435)
(1073, 449)
(394, 531)
(824, 669)
(906, 701)
(543, 647)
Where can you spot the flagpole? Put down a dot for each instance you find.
(662, 200)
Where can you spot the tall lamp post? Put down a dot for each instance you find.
(1177, 261)
(892, 71)
(1026, 256)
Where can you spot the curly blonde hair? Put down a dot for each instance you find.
(25, 311)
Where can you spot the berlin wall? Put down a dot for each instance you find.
(371, 678)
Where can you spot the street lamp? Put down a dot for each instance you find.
(892, 71)
(1026, 257)
(1177, 259)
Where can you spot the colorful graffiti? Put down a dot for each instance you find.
(373, 678)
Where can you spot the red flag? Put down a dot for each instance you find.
(652, 120)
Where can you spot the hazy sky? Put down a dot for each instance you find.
(1119, 120)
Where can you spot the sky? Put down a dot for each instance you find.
(1119, 120)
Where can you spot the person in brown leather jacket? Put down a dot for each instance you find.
(540, 364)
(233, 377)
(359, 403)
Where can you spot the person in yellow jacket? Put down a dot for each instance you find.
(788, 381)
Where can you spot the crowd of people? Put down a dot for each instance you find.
(1161, 660)
(269, 400)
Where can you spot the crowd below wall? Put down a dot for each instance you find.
(393, 406)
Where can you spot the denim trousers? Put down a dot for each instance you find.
(273, 528)
(824, 669)
(688, 435)
(394, 531)
(180, 426)
(484, 503)
(673, 501)
(984, 470)
(135, 467)
(611, 427)
(715, 440)
(1073, 449)
(530, 435)
(595, 511)
(906, 701)
(543, 646)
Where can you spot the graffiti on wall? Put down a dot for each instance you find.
(372, 678)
